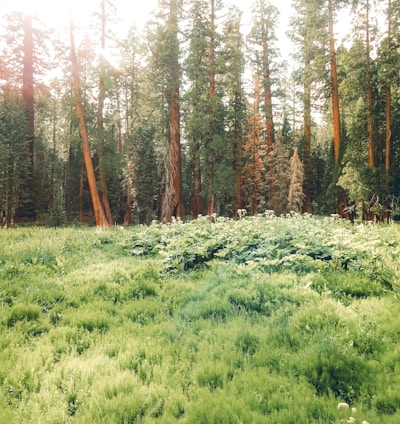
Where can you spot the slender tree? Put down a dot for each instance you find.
(100, 217)
(232, 51)
(295, 195)
(371, 153)
(175, 161)
(100, 116)
(211, 198)
(15, 166)
(308, 31)
(196, 100)
(254, 153)
(334, 85)
(28, 99)
(262, 38)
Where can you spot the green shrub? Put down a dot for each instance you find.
(333, 368)
(247, 343)
(23, 313)
(388, 404)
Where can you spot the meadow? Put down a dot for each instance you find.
(258, 320)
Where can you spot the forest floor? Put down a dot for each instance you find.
(277, 320)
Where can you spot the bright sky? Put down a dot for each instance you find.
(58, 12)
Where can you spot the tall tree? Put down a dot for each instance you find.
(254, 153)
(15, 166)
(389, 58)
(308, 31)
(295, 195)
(211, 146)
(334, 84)
(262, 38)
(211, 198)
(165, 49)
(233, 53)
(28, 99)
(371, 153)
(100, 217)
(100, 115)
(196, 100)
(175, 161)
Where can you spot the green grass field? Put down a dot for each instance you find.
(265, 320)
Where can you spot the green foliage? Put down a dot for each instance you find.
(14, 160)
(91, 333)
(57, 216)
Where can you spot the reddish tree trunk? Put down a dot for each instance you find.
(100, 217)
(388, 125)
(100, 122)
(211, 201)
(307, 145)
(334, 87)
(371, 157)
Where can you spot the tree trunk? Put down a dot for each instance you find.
(371, 156)
(175, 163)
(388, 124)
(269, 120)
(100, 217)
(172, 203)
(211, 201)
(334, 87)
(28, 206)
(307, 143)
(100, 121)
(239, 170)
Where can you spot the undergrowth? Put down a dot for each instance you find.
(250, 321)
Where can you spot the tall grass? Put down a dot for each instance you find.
(246, 321)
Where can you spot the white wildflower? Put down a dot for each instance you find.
(343, 405)
(351, 420)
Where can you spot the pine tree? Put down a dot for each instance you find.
(233, 89)
(196, 100)
(57, 213)
(253, 154)
(14, 143)
(308, 31)
(165, 64)
(295, 195)
(262, 40)
(279, 178)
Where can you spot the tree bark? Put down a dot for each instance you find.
(100, 121)
(334, 87)
(211, 198)
(307, 142)
(174, 122)
(269, 120)
(371, 157)
(28, 206)
(100, 217)
(388, 114)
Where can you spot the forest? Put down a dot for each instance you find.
(195, 114)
